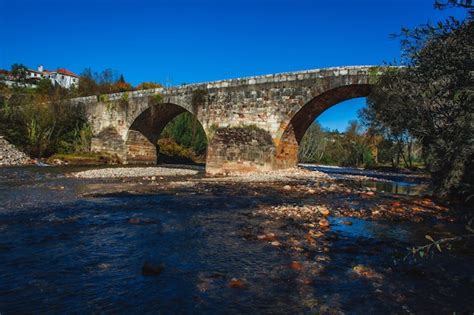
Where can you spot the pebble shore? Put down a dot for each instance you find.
(287, 175)
(119, 172)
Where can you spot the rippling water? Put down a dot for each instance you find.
(63, 253)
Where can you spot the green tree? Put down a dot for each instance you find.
(38, 121)
(187, 132)
(432, 100)
(18, 71)
(87, 84)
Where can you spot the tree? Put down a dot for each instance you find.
(18, 71)
(442, 4)
(87, 84)
(39, 123)
(432, 99)
(121, 85)
(313, 144)
(148, 85)
(186, 131)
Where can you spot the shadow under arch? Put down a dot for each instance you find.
(144, 132)
(299, 120)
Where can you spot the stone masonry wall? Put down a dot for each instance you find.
(269, 102)
(139, 149)
(234, 150)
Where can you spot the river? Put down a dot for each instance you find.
(65, 251)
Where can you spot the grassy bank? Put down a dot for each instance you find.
(86, 158)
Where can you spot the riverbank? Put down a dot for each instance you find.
(349, 196)
(124, 172)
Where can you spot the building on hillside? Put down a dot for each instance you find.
(62, 77)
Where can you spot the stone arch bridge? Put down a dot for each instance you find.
(252, 124)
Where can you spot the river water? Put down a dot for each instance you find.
(63, 252)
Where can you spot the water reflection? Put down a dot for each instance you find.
(394, 183)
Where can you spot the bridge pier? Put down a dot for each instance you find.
(139, 149)
(236, 150)
(110, 142)
(287, 150)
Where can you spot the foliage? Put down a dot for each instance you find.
(157, 99)
(39, 123)
(442, 4)
(18, 71)
(428, 249)
(105, 82)
(354, 147)
(148, 85)
(199, 97)
(186, 131)
(83, 158)
(432, 99)
(124, 97)
(104, 98)
(172, 152)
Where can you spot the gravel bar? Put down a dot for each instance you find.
(118, 172)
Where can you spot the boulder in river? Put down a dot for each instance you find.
(296, 265)
(235, 283)
(137, 220)
(150, 269)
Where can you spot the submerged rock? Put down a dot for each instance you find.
(296, 265)
(267, 237)
(235, 283)
(150, 269)
(136, 220)
(366, 272)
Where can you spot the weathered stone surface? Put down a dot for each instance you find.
(283, 105)
(235, 150)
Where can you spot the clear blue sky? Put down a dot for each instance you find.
(184, 41)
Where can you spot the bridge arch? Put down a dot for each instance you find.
(300, 118)
(142, 136)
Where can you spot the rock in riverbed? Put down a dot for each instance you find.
(136, 220)
(150, 269)
(235, 283)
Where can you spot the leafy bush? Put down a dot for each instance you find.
(186, 131)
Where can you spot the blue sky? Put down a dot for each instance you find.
(185, 41)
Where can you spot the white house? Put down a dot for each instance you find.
(63, 77)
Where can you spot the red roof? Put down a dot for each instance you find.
(67, 72)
